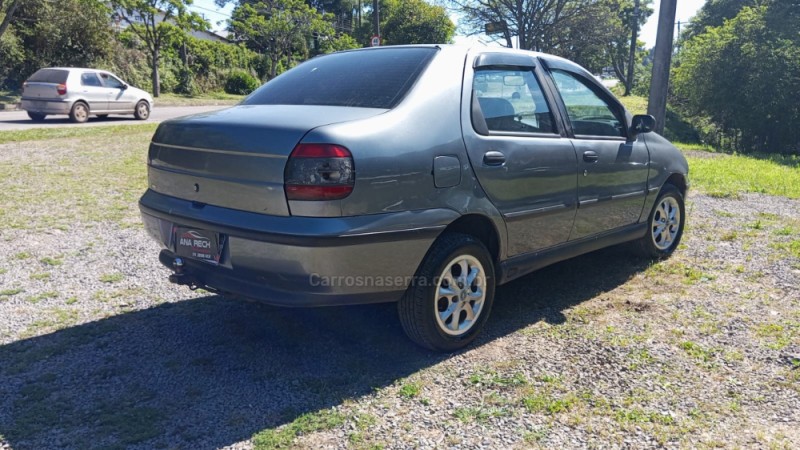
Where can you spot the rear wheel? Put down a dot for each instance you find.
(79, 112)
(450, 299)
(665, 224)
(142, 111)
(36, 117)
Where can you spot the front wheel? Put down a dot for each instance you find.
(450, 299)
(665, 224)
(142, 111)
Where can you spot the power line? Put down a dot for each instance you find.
(221, 13)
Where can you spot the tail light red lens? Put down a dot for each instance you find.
(319, 172)
(61, 89)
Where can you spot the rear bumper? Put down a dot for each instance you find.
(46, 106)
(300, 261)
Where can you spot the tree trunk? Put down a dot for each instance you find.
(273, 70)
(9, 16)
(156, 81)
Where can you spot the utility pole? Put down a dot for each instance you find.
(662, 58)
(634, 33)
(376, 23)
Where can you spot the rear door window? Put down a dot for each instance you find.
(369, 79)
(90, 79)
(511, 100)
(55, 76)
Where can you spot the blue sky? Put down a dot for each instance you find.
(686, 9)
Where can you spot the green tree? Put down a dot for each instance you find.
(343, 41)
(618, 41)
(158, 22)
(416, 22)
(714, 13)
(594, 33)
(744, 77)
(540, 25)
(46, 33)
(408, 22)
(280, 29)
(8, 14)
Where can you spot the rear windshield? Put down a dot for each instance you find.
(367, 79)
(50, 76)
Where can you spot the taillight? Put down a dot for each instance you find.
(61, 89)
(24, 85)
(319, 172)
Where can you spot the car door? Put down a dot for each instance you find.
(522, 161)
(612, 169)
(119, 98)
(94, 92)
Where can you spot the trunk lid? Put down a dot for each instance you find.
(235, 157)
(34, 91)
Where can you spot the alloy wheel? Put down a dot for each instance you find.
(460, 295)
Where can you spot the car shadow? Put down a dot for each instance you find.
(206, 372)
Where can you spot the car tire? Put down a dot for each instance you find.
(79, 112)
(36, 117)
(102, 116)
(142, 111)
(664, 225)
(442, 293)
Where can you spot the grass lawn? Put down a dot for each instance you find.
(722, 175)
(39, 134)
(165, 99)
(634, 104)
(99, 178)
(210, 98)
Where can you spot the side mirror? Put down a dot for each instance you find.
(124, 86)
(642, 123)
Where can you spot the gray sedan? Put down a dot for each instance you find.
(424, 175)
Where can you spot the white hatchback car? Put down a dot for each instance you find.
(81, 93)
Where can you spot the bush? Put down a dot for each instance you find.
(186, 84)
(240, 83)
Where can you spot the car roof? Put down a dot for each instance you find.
(74, 69)
(551, 59)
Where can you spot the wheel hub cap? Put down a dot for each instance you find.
(666, 223)
(460, 295)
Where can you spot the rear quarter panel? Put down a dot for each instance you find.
(394, 152)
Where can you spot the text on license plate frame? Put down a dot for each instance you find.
(198, 244)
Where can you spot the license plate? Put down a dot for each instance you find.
(198, 244)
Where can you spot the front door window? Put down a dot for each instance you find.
(589, 113)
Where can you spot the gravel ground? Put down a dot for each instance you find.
(97, 350)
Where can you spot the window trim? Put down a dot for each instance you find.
(480, 126)
(614, 104)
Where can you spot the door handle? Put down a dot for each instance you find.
(494, 158)
(590, 156)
